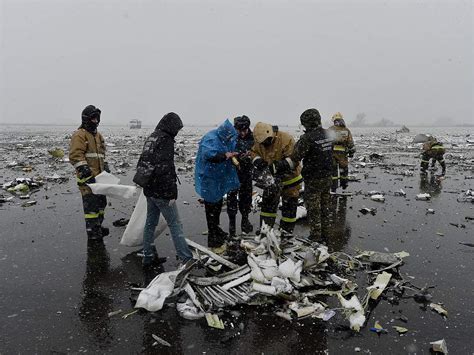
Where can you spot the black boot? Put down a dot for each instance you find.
(95, 233)
(245, 225)
(105, 231)
(232, 228)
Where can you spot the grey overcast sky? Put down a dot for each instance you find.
(408, 61)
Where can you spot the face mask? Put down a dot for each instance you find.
(267, 142)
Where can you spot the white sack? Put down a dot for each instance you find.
(155, 294)
(113, 190)
(133, 235)
(107, 178)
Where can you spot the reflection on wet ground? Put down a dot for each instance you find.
(61, 294)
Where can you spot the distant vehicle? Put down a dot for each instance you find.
(135, 124)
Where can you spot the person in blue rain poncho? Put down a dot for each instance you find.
(215, 176)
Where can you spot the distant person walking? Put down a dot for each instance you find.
(215, 175)
(241, 199)
(156, 173)
(433, 150)
(87, 155)
(343, 149)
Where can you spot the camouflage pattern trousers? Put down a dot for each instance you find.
(317, 200)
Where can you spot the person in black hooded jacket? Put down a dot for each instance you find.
(157, 175)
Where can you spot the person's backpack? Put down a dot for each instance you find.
(144, 173)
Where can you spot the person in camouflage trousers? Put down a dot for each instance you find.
(315, 150)
(343, 149)
(434, 151)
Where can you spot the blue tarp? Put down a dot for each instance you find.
(214, 180)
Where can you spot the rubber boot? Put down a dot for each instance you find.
(95, 233)
(153, 258)
(245, 224)
(232, 228)
(105, 231)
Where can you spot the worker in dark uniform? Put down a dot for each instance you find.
(242, 198)
(314, 148)
(87, 155)
(343, 149)
(434, 151)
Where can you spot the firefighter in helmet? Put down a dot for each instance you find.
(342, 150)
(87, 155)
(270, 148)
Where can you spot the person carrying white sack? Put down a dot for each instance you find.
(156, 173)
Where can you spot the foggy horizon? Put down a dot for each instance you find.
(409, 63)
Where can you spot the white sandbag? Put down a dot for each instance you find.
(113, 190)
(133, 235)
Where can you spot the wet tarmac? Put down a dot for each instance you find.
(57, 292)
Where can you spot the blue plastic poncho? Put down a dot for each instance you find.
(214, 180)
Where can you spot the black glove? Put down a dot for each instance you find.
(280, 167)
(350, 154)
(260, 164)
(85, 175)
(106, 167)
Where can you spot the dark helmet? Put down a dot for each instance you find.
(88, 114)
(242, 122)
(310, 118)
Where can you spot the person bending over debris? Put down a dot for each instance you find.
(434, 150)
(314, 148)
(343, 149)
(271, 146)
(215, 175)
(156, 173)
(243, 196)
(87, 155)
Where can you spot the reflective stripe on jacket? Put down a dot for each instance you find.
(87, 149)
(281, 148)
(343, 141)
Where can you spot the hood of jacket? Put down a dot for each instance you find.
(170, 123)
(226, 131)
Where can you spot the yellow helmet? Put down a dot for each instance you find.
(337, 116)
(263, 131)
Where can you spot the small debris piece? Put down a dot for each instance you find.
(125, 316)
(56, 153)
(214, 321)
(160, 340)
(379, 285)
(377, 328)
(120, 222)
(114, 313)
(438, 308)
(378, 198)
(28, 204)
(365, 210)
(430, 211)
(439, 346)
(467, 244)
(400, 330)
(423, 197)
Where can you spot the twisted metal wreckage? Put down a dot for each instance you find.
(297, 272)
